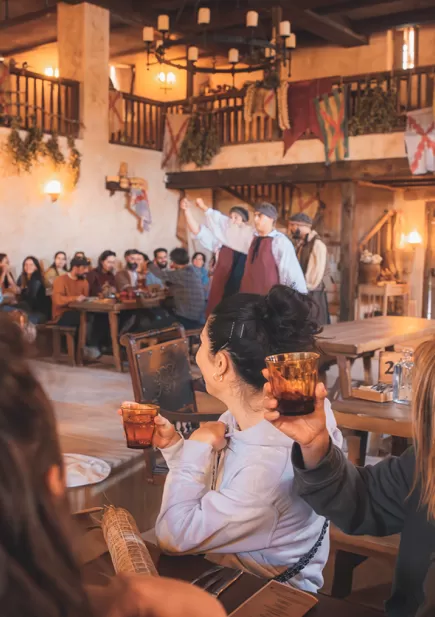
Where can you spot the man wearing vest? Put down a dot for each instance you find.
(271, 257)
(312, 254)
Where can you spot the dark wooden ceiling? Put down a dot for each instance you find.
(25, 24)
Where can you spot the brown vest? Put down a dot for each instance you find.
(226, 269)
(261, 270)
(304, 251)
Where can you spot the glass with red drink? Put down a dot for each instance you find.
(293, 379)
(139, 424)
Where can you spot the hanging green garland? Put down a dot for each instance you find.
(375, 112)
(201, 142)
(30, 150)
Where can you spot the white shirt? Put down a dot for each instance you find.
(239, 238)
(253, 517)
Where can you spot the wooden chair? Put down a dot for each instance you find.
(57, 333)
(350, 551)
(161, 374)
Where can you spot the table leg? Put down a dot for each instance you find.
(82, 338)
(114, 334)
(344, 366)
(368, 378)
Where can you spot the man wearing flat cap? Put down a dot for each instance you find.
(271, 257)
(312, 254)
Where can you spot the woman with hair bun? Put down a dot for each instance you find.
(229, 492)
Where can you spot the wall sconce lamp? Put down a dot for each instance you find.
(51, 72)
(166, 80)
(414, 239)
(53, 189)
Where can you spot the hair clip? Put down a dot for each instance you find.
(232, 330)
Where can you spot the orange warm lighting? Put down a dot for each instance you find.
(414, 238)
(51, 72)
(53, 189)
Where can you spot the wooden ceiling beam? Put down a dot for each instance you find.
(28, 47)
(27, 17)
(384, 170)
(398, 20)
(337, 8)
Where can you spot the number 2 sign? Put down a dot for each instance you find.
(387, 360)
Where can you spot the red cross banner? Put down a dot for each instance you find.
(332, 116)
(116, 112)
(176, 126)
(304, 200)
(420, 141)
(5, 90)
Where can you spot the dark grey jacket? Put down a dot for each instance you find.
(379, 501)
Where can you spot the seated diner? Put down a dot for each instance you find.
(229, 492)
(33, 297)
(57, 268)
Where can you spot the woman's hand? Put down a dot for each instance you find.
(212, 433)
(309, 431)
(165, 434)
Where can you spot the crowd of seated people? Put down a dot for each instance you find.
(46, 296)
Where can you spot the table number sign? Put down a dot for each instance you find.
(276, 600)
(387, 360)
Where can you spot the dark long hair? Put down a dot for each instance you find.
(250, 327)
(53, 265)
(38, 573)
(104, 255)
(5, 282)
(37, 275)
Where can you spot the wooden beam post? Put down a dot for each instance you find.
(348, 252)
(190, 76)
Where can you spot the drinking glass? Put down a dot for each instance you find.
(293, 378)
(139, 424)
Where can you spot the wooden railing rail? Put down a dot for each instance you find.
(144, 119)
(50, 103)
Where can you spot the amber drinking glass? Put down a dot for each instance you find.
(139, 424)
(293, 379)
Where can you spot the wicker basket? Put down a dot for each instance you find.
(369, 273)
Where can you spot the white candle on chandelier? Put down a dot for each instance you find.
(284, 28)
(251, 19)
(148, 34)
(204, 16)
(163, 23)
(290, 41)
(233, 56)
(192, 54)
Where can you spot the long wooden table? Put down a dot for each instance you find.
(112, 309)
(349, 340)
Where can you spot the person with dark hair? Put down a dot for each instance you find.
(8, 285)
(161, 258)
(312, 254)
(68, 288)
(187, 289)
(33, 298)
(57, 268)
(229, 491)
(229, 263)
(40, 575)
(103, 276)
(198, 261)
(128, 277)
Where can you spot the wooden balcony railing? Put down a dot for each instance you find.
(144, 119)
(49, 102)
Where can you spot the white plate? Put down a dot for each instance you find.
(82, 470)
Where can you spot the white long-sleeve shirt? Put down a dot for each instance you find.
(317, 262)
(239, 238)
(252, 517)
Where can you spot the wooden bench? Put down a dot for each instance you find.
(57, 333)
(350, 551)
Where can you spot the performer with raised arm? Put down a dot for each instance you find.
(230, 265)
(271, 257)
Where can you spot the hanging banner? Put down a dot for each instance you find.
(420, 141)
(331, 112)
(176, 126)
